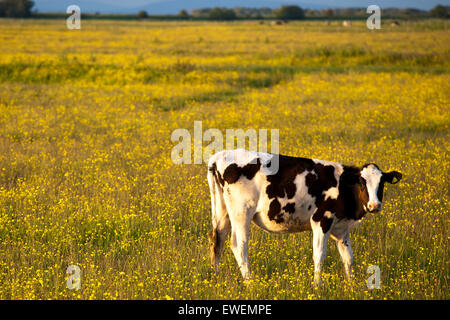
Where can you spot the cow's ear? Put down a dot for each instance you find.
(392, 177)
(350, 178)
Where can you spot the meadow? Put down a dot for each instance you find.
(86, 176)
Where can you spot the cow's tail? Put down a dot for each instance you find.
(219, 214)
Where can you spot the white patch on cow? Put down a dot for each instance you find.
(301, 188)
(332, 193)
(302, 196)
(338, 168)
(328, 214)
(372, 175)
(240, 157)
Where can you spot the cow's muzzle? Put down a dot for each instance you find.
(374, 207)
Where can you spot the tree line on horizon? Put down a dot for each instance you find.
(293, 12)
(23, 9)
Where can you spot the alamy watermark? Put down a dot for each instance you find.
(374, 20)
(74, 279)
(74, 20)
(234, 139)
(374, 280)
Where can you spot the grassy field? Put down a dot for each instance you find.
(86, 176)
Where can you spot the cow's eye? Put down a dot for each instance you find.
(362, 181)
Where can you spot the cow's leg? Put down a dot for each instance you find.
(320, 239)
(240, 228)
(217, 237)
(220, 226)
(345, 250)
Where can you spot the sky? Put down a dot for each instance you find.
(174, 6)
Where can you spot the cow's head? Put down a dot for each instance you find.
(369, 181)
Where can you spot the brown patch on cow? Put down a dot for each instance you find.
(351, 195)
(282, 183)
(320, 180)
(363, 194)
(233, 172)
(250, 169)
(324, 206)
(217, 175)
(326, 223)
(275, 211)
(290, 207)
(380, 190)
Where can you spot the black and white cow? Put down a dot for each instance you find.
(304, 194)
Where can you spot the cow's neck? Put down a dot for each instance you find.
(359, 207)
(353, 207)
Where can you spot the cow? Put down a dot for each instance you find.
(347, 23)
(327, 198)
(277, 23)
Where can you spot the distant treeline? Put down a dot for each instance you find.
(292, 12)
(23, 8)
(16, 8)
